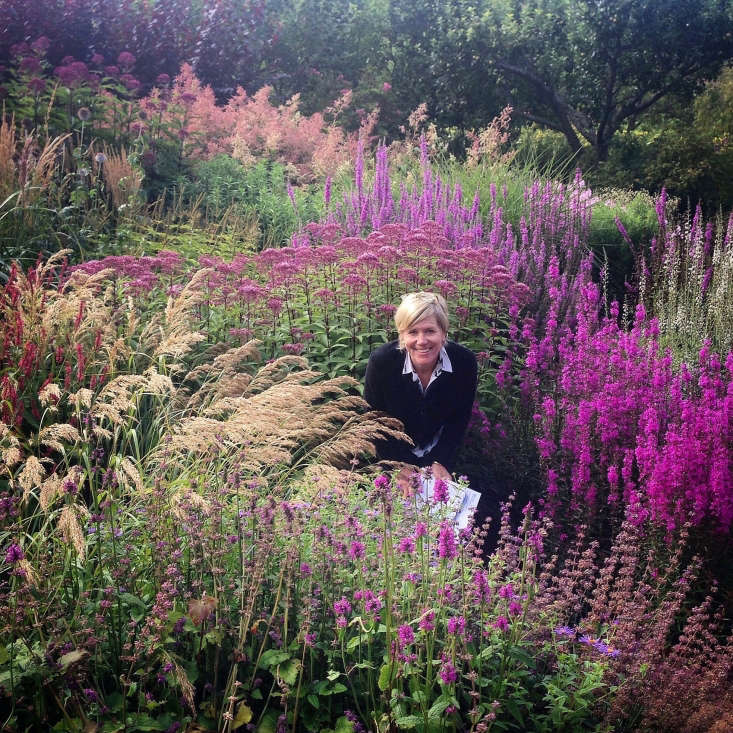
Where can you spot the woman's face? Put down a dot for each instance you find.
(423, 341)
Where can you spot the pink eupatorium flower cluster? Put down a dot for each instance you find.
(625, 426)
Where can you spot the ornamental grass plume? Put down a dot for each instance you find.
(8, 145)
(282, 410)
(123, 181)
(36, 167)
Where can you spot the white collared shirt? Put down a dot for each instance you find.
(442, 365)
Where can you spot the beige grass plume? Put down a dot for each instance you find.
(70, 527)
(286, 409)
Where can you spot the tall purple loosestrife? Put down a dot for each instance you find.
(623, 425)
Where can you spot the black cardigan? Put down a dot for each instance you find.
(447, 402)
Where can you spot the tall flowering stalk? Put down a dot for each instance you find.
(623, 425)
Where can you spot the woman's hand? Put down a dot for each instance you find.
(404, 482)
(441, 472)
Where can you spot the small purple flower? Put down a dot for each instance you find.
(564, 631)
(456, 625)
(342, 607)
(515, 608)
(381, 482)
(506, 591)
(405, 635)
(427, 622)
(440, 492)
(310, 638)
(357, 550)
(305, 569)
(406, 545)
(600, 646)
(14, 554)
(501, 623)
(447, 541)
(448, 673)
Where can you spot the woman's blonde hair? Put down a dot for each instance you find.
(416, 306)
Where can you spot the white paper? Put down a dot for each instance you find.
(461, 501)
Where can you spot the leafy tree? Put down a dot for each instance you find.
(325, 46)
(686, 148)
(588, 68)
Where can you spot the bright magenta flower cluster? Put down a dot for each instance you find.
(623, 425)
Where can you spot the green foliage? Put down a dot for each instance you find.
(325, 46)
(588, 68)
(686, 149)
(259, 192)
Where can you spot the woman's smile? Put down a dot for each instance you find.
(423, 341)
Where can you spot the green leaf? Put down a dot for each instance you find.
(385, 677)
(364, 665)
(338, 687)
(268, 724)
(243, 716)
(143, 722)
(133, 600)
(354, 641)
(214, 637)
(333, 675)
(344, 725)
(192, 671)
(289, 671)
(408, 721)
(516, 713)
(4, 655)
(439, 706)
(314, 700)
(273, 657)
(113, 702)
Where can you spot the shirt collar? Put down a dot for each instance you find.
(443, 365)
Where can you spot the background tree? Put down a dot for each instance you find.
(590, 67)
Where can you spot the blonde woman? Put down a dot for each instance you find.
(425, 381)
